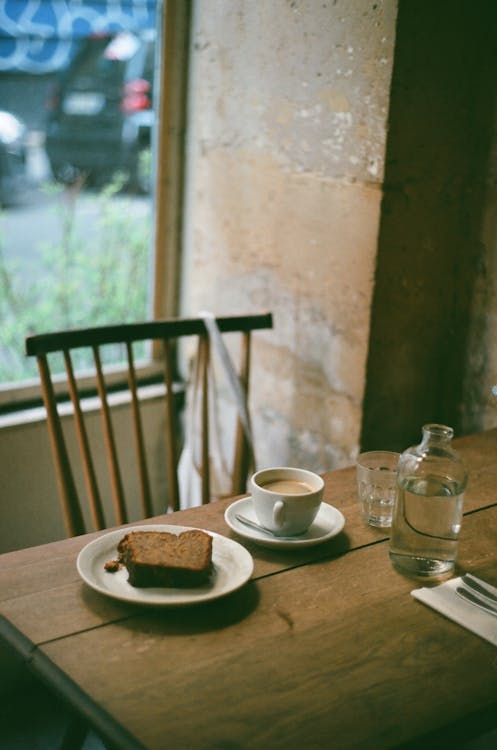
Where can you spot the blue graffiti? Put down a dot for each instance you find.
(41, 36)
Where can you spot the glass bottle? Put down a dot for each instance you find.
(427, 517)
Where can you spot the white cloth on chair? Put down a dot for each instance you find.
(189, 468)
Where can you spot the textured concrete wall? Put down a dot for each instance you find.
(479, 409)
(432, 346)
(286, 147)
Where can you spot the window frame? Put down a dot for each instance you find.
(172, 67)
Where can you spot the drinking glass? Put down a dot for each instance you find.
(377, 486)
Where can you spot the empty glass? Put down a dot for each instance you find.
(377, 486)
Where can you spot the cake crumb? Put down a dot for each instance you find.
(112, 566)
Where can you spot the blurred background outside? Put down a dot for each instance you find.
(76, 137)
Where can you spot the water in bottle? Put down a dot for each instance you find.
(429, 507)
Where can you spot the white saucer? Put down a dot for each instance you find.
(328, 523)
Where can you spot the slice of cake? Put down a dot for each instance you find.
(160, 558)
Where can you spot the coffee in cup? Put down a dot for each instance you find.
(287, 486)
(286, 499)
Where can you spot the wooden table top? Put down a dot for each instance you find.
(323, 647)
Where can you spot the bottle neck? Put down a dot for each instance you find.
(437, 434)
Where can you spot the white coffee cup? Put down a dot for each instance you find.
(286, 500)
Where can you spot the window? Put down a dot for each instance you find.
(90, 169)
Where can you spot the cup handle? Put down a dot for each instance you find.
(279, 513)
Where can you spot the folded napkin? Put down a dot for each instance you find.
(444, 599)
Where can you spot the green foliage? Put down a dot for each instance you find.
(95, 273)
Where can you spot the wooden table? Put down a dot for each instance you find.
(323, 648)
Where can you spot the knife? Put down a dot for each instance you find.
(474, 599)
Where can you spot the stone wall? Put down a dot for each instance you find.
(286, 144)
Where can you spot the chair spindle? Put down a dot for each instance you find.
(96, 509)
(203, 360)
(73, 517)
(145, 494)
(110, 444)
(244, 457)
(171, 457)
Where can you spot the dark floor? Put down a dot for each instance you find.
(33, 719)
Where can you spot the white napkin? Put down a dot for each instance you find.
(444, 599)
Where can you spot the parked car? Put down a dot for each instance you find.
(100, 114)
(13, 153)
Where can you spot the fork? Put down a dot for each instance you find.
(477, 593)
(479, 587)
(475, 599)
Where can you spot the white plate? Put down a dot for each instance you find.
(233, 566)
(328, 523)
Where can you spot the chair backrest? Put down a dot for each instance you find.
(165, 335)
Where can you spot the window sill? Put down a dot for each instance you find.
(121, 397)
(26, 396)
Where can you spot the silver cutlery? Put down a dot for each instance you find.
(260, 527)
(475, 599)
(479, 587)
